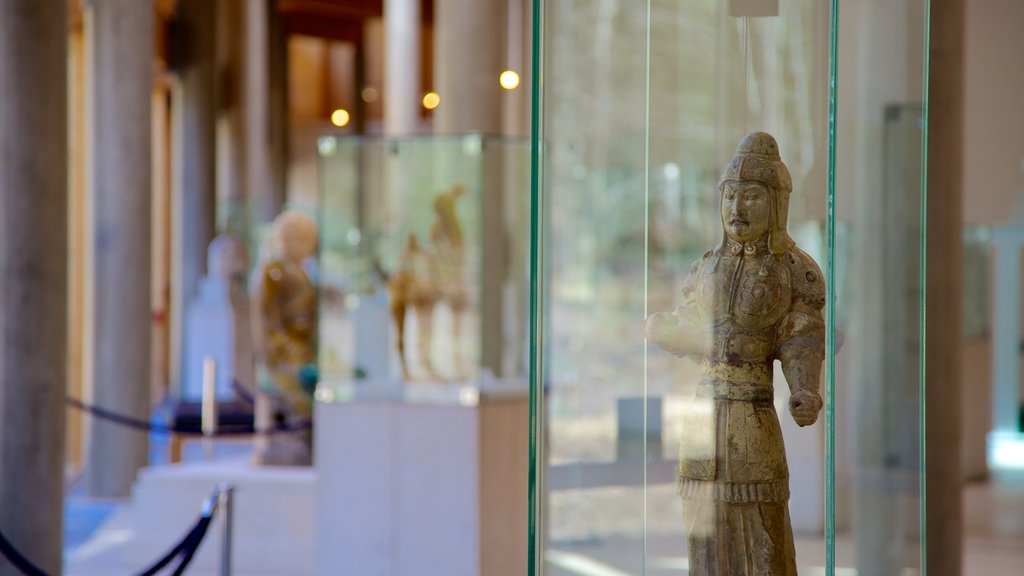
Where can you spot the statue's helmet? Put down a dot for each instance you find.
(757, 159)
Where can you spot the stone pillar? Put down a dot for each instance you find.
(257, 110)
(122, 64)
(943, 475)
(33, 264)
(402, 66)
(194, 177)
(277, 44)
(469, 49)
(231, 128)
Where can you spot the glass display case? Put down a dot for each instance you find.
(422, 260)
(651, 184)
(422, 400)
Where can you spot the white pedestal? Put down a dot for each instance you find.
(423, 488)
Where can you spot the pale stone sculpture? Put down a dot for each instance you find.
(413, 286)
(753, 299)
(284, 303)
(217, 322)
(431, 275)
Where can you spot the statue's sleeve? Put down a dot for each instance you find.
(801, 343)
(679, 332)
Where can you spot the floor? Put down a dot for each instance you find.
(993, 526)
(993, 543)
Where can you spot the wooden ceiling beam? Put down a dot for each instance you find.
(340, 29)
(359, 9)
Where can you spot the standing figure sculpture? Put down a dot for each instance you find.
(428, 275)
(753, 299)
(412, 286)
(284, 304)
(450, 265)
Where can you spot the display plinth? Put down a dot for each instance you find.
(273, 521)
(425, 487)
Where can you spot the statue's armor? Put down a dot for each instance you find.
(751, 307)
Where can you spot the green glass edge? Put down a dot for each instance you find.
(647, 244)
(830, 353)
(536, 303)
(923, 283)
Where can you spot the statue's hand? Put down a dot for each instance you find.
(804, 405)
(660, 328)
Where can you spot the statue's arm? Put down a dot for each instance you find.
(802, 341)
(680, 332)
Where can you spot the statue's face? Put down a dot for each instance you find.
(299, 244)
(745, 210)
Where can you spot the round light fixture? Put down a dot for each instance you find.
(431, 100)
(340, 117)
(509, 80)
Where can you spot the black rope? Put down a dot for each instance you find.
(147, 426)
(186, 548)
(172, 553)
(16, 558)
(197, 539)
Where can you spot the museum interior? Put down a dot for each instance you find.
(498, 287)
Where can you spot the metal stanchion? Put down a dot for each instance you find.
(209, 406)
(226, 502)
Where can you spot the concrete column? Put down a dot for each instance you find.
(469, 55)
(122, 57)
(402, 66)
(231, 128)
(277, 43)
(944, 503)
(33, 265)
(256, 104)
(194, 179)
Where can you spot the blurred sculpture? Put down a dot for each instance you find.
(217, 321)
(450, 264)
(430, 275)
(753, 299)
(284, 303)
(412, 286)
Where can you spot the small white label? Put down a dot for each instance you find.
(753, 8)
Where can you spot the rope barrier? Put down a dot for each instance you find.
(18, 559)
(188, 545)
(147, 426)
(185, 549)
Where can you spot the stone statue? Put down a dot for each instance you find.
(413, 286)
(284, 301)
(753, 299)
(217, 322)
(429, 275)
(450, 265)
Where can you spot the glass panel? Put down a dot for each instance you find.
(404, 259)
(640, 106)
(879, 279)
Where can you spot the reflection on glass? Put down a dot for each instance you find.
(411, 231)
(642, 104)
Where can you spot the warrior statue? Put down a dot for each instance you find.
(753, 299)
(284, 301)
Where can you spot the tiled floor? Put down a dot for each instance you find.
(993, 542)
